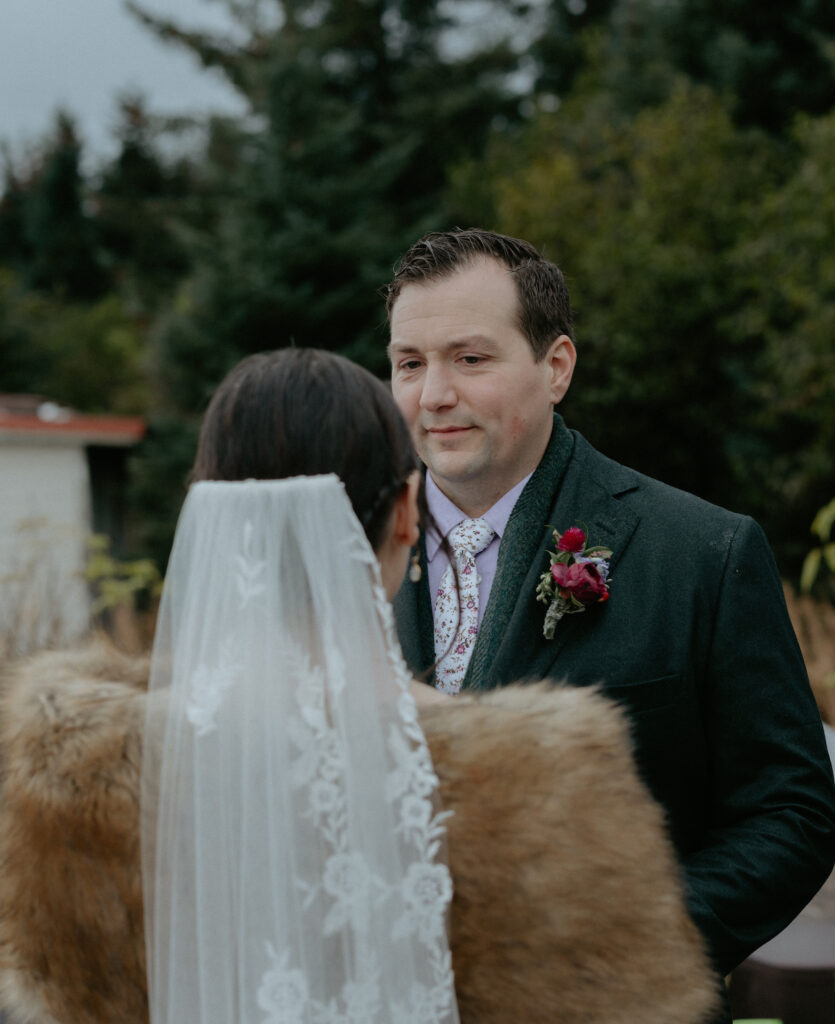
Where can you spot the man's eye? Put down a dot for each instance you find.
(472, 360)
(410, 364)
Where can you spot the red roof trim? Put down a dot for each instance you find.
(127, 428)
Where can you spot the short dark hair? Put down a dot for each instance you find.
(544, 303)
(302, 412)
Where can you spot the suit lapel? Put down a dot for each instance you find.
(591, 500)
(525, 535)
(577, 487)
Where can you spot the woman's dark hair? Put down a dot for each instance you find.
(302, 412)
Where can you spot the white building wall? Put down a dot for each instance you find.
(44, 522)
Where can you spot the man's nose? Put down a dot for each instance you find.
(438, 391)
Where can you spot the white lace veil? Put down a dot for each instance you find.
(289, 832)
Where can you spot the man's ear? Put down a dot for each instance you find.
(406, 515)
(561, 358)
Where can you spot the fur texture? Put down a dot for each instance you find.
(567, 906)
(71, 934)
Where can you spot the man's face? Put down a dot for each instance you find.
(478, 405)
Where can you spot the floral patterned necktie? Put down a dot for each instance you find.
(454, 637)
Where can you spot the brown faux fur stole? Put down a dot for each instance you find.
(71, 935)
(568, 905)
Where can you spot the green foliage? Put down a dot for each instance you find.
(768, 61)
(158, 471)
(653, 149)
(556, 51)
(697, 256)
(58, 245)
(83, 264)
(144, 204)
(824, 554)
(87, 356)
(772, 61)
(784, 268)
(358, 117)
(624, 207)
(117, 582)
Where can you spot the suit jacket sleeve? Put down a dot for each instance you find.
(770, 841)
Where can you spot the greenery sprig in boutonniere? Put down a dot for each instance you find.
(578, 577)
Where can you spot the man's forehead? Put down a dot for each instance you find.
(477, 266)
(479, 289)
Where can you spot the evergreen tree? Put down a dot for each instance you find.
(771, 60)
(696, 253)
(143, 203)
(64, 256)
(558, 50)
(785, 318)
(357, 110)
(15, 252)
(63, 333)
(768, 61)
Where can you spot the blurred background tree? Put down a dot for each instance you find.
(64, 332)
(356, 116)
(675, 158)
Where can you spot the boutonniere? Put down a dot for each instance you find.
(578, 577)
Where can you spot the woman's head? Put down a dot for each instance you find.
(302, 412)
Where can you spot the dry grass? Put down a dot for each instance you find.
(43, 598)
(814, 623)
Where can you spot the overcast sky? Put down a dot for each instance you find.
(81, 54)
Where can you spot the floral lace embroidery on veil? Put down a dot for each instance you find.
(207, 686)
(351, 890)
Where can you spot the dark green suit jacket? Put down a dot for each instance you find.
(695, 642)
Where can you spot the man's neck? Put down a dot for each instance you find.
(476, 499)
(434, 490)
(472, 505)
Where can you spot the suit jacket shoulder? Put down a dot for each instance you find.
(660, 503)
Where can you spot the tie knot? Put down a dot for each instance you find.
(471, 536)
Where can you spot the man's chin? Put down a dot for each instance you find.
(452, 467)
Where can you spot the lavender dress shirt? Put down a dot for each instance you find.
(447, 516)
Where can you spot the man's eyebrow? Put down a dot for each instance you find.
(404, 348)
(399, 347)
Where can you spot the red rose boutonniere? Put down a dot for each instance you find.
(578, 577)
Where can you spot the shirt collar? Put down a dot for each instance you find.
(447, 515)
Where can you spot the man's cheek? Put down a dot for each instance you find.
(399, 397)
(518, 426)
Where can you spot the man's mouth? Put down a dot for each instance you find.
(447, 431)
